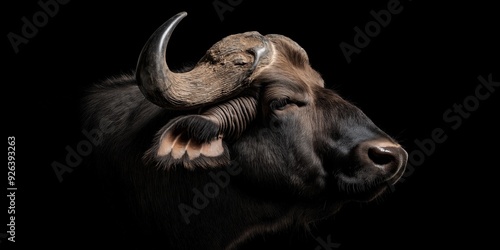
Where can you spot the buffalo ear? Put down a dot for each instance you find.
(190, 141)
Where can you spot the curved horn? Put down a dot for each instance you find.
(223, 72)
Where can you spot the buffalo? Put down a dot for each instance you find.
(247, 141)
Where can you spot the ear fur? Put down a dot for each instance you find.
(190, 141)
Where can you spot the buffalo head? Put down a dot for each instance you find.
(252, 101)
(259, 102)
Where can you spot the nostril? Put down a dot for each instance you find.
(381, 156)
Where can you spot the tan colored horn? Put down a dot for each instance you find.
(224, 71)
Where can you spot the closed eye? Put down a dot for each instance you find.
(284, 103)
(280, 104)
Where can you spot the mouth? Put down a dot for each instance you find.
(365, 189)
(394, 179)
(368, 171)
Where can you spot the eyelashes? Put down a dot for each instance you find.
(284, 103)
(280, 104)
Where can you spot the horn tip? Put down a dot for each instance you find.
(182, 14)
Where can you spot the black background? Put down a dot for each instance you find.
(427, 59)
